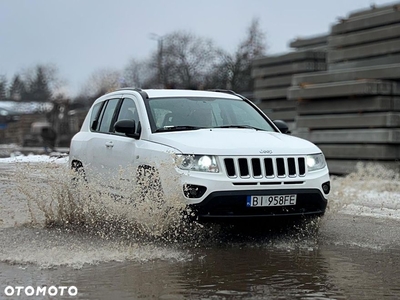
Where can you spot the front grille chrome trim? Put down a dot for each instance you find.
(261, 167)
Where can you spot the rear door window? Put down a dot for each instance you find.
(107, 116)
(94, 117)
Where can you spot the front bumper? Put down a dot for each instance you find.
(232, 204)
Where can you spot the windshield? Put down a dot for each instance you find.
(183, 113)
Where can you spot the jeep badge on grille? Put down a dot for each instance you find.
(265, 151)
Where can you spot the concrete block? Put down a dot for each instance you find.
(360, 120)
(368, 62)
(364, 51)
(309, 42)
(373, 20)
(361, 151)
(286, 115)
(352, 136)
(291, 124)
(375, 72)
(265, 94)
(273, 82)
(290, 57)
(276, 104)
(366, 12)
(348, 105)
(341, 167)
(366, 36)
(344, 89)
(288, 69)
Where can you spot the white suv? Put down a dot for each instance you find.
(215, 149)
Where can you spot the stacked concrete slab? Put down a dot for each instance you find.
(273, 76)
(352, 110)
(316, 42)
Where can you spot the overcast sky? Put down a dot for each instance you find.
(82, 36)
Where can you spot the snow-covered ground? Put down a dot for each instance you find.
(58, 158)
(26, 107)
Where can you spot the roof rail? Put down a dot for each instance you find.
(140, 91)
(228, 92)
(130, 88)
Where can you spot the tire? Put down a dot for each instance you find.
(79, 172)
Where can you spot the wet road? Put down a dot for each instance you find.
(352, 253)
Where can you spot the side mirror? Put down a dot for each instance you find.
(128, 127)
(282, 126)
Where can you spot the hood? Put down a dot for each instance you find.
(232, 141)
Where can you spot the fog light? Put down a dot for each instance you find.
(193, 191)
(326, 187)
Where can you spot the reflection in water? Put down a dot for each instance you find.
(257, 270)
(352, 253)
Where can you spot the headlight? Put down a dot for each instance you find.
(315, 162)
(203, 163)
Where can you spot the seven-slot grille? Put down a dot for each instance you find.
(265, 167)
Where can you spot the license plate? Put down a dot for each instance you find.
(271, 200)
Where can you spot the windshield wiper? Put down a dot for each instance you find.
(177, 128)
(239, 126)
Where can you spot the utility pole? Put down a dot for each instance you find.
(159, 40)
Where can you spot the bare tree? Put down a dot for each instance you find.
(234, 71)
(184, 61)
(252, 47)
(98, 83)
(139, 74)
(102, 81)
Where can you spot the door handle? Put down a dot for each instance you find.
(109, 144)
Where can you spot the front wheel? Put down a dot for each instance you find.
(79, 174)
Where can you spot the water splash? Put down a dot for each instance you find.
(61, 221)
(55, 198)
